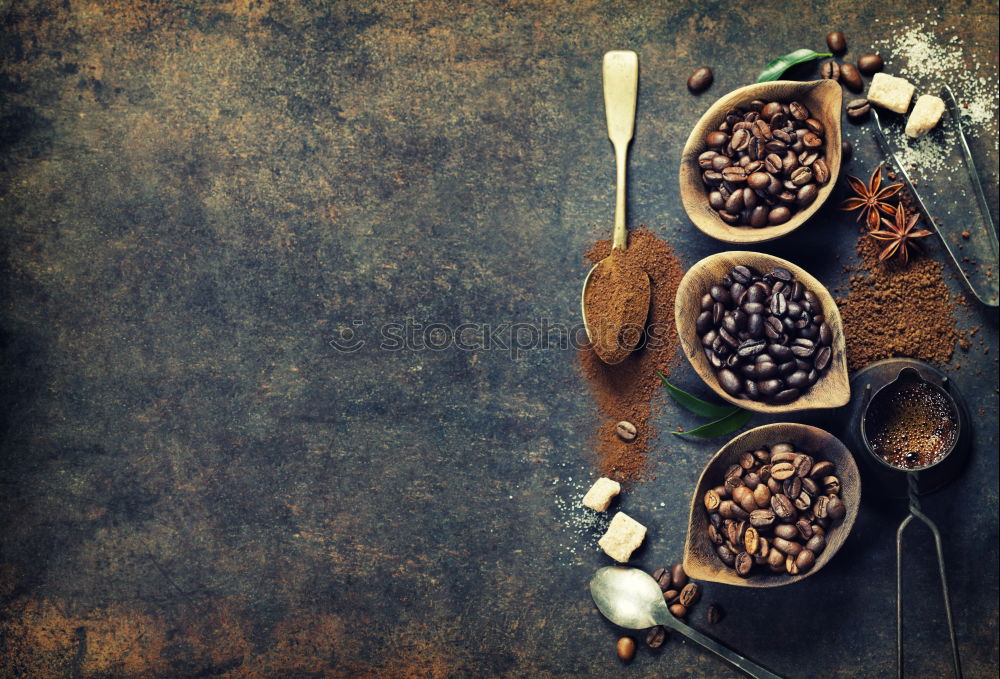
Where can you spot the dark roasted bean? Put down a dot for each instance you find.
(858, 110)
(700, 80)
(870, 64)
(850, 77)
(836, 41)
(830, 70)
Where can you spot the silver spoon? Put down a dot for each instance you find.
(631, 598)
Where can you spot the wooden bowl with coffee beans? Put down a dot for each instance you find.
(762, 333)
(762, 160)
(772, 507)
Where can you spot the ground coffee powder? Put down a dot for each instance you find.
(896, 309)
(625, 391)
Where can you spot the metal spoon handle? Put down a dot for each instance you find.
(621, 84)
(718, 649)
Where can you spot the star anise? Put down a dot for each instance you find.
(871, 198)
(899, 234)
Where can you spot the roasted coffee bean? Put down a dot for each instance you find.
(786, 531)
(729, 382)
(790, 566)
(782, 506)
(742, 275)
(846, 150)
(716, 139)
(805, 560)
(810, 486)
(726, 555)
(816, 544)
(815, 126)
(811, 140)
(830, 70)
(716, 200)
(782, 135)
(662, 577)
(626, 431)
(821, 171)
(625, 648)
(751, 347)
(858, 110)
(806, 194)
(792, 486)
(820, 507)
(706, 160)
(772, 163)
(714, 535)
(776, 561)
(678, 576)
(822, 469)
(760, 129)
(804, 528)
(751, 540)
(798, 111)
(787, 546)
(689, 594)
(656, 636)
(762, 496)
(778, 215)
(786, 396)
(803, 465)
(801, 176)
(711, 178)
(759, 180)
(850, 77)
(670, 596)
(782, 470)
(734, 174)
(700, 80)
(744, 563)
(870, 64)
(836, 508)
(678, 610)
(836, 41)
(714, 614)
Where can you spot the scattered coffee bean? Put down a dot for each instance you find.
(846, 150)
(678, 576)
(670, 596)
(662, 577)
(700, 80)
(714, 614)
(850, 77)
(830, 70)
(858, 110)
(788, 534)
(836, 41)
(689, 595)
(679, 610)
(626, 430)
(656, 636)
(870, 64)
(625, 649)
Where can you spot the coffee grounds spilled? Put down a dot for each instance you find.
(616, 305)
(625, 391)
(896, 309)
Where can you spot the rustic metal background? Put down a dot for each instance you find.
(197, 198)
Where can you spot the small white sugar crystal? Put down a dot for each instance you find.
(925, 116)
(599, 496)
(624, 535)
(890, 92)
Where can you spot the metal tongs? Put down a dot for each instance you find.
(979, 248)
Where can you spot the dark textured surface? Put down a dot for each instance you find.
(197, 198)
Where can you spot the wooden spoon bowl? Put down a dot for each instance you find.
(700, 560)
(831, 390)
(822, 98)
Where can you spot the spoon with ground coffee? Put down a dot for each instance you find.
(615, 299)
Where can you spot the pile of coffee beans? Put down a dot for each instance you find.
(765, 335)
(764, 162)
(773, 509)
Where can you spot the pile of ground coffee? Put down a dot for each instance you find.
(625, 391)
(616, 305)
(896, 309)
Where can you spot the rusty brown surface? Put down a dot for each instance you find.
(196, 198)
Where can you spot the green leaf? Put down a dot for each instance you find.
(726, 425)
(775, 68)
(695, 404)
